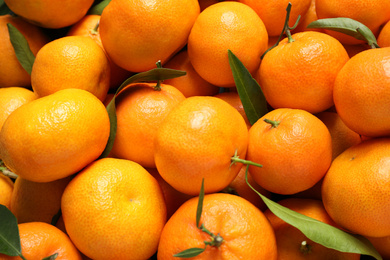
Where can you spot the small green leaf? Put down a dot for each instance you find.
(98, 8)
(4, 8)
(9, 233)
(22, 49)
(191, 252)
(251, 95)
(320, 232)
(52, 257)
(347, 26)
(200, 204)
(150, 75)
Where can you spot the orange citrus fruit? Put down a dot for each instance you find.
(361, 92)
(87, 27)
(307, 18)
(191, 84)
(11, 98)
(220, 27)
(196, 141)
(384, 36)
(137, 34)
(239, 187)
(245, 231)
(342, 136)
(140, 110)
(382, 245)
(173, 198)
(372, 14)
(273, 13)
(292, 243)
(37, 201)
(293, 146)
(54, 136)
(234, 100)
(49, 13)
(357, 187)
(12, 74)
(114, 209)
(6, 189)
(291, 77)
(40, 240)
(71, 62)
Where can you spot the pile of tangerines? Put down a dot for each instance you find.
(198, 129)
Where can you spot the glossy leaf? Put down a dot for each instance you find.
(150, 75)
(251, 95)
(320, 232)
(22, 49)
(347, 26)
(9, 233)
(191, 252)
(98, 8)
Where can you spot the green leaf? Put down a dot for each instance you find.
(251, 95)
(22, 49)
(52, 257)
(9, 233)
(347, 26)
(191, 252)
(200, 204)
(98, 8)
(4, 8)
(320, 232)
(150, 75)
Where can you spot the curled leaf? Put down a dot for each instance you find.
(251, 95)
(347, 26)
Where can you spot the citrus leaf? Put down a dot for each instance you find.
(52, 257)
(9, 233)
(150, 75)
(320, 232)
(347, 26)
(98, 8)
(4, 8)
(191, 252)
(251, 95)
(200, 204)
(22, 49)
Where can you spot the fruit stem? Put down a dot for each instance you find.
(6, 171)
(158, 85)
(216, 240)
(273, 123)
(94, 31)
(236, 159)
(286, 30)
(305, 248)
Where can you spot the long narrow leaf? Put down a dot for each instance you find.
(320, 232)
(98, 8)
(347, 26)
(150, 75)
(9, 233)
(200, 204)
(251, 95)
(22, 50)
